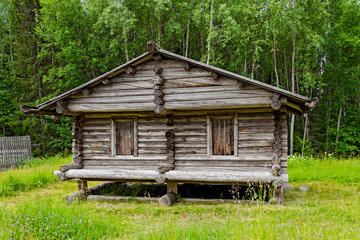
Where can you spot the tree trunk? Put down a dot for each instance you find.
(126, 48)
(202, 44)
(187, 38)
(253, 66)
(338, 124)
(328, 118)
(210, 30)
(245, 63)
(275, 64)
(293, 36)
(304, 135)
(286, 70)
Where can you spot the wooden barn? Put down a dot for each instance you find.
(167, 118)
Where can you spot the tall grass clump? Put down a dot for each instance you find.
(329, 168)
(34, 174)
(50, 219)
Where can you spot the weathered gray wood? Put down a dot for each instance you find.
(186, 66)
(119, 198)
(234, 76)
(157, 57)
(62, 107)
(208, 89)
(137, 60)
(82, 185)
(86, 91)
(180, 113)
(130, 70)
(215, 75)
(210, 96)
(110, 107)
(224, 103)
(106, 81)
(166, 63)
(241, 84)
(150, 175)
(13, 151)
(168, 199)
(158, 69)
(199, 81)
(185, 200)
(75, 197)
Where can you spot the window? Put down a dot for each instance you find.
(222, 135)
(124, 137)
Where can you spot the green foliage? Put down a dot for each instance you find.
(49, 46)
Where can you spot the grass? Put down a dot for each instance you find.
(34, 174)
(329, 210)
(329, 169)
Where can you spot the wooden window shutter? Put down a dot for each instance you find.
(124, 138)
(222, 136)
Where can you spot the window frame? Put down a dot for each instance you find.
(209, 141)
(134, 120)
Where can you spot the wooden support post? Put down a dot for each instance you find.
(82, 185)
(172, 187)
(276, 194)
(276, 159)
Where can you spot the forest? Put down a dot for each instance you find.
(310, 47)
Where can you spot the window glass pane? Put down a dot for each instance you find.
(222, 136)
(125, 138)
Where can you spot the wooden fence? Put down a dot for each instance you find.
(13, 151)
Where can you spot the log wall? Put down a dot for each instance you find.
(255, 143)
(184, 89)
(191, 94)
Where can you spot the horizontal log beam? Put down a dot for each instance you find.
(174, 175)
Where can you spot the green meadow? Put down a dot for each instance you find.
(32, 207)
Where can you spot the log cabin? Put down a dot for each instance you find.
(165, 118)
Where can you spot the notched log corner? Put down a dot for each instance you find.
(130, 70)
(241, 84)
(215, 75)
(61, 107)
(106, 81)
(157, 57)
(157, 69)
(312, 104)
(276, 104)
(164, 169)
(186, 66)
(152, 47)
